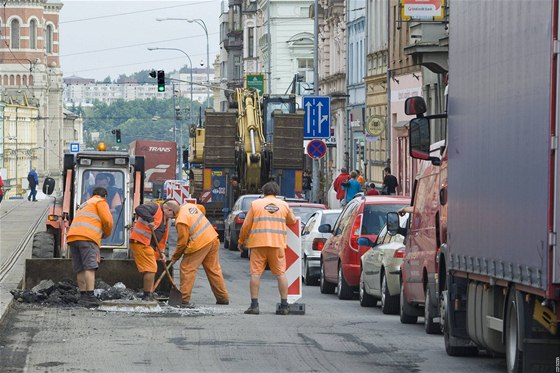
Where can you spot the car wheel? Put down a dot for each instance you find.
(429, 325)
(343, 290)
(324, 286)
(366, 300)
(406, 314)
(232, 241)
(226, 240)
(307, 278)
(389, 303)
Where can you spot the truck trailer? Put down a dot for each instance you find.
(160, 162)
(498, 273)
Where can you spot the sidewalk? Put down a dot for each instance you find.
(18, 220)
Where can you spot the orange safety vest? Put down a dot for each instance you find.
(265, 224)
(92, 221)
(142, 232)
(201, 231)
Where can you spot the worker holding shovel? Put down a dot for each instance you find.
(147, 242)
(197, 243)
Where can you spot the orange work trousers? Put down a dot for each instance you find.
(209, 257)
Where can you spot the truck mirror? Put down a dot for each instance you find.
(419, 135)
(393, 223)
(415, 106)
(48, 186)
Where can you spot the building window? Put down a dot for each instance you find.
(33, 34)
(251, 42)
(237, 68)
(15, 34)
(49, 39)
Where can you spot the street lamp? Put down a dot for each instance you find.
(201, 23)
(191, 109)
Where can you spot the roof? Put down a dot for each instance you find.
(307, 204)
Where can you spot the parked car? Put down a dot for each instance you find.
(235, 220)
(312, 242)
(381, 266)
(363, 216)
(304, 210)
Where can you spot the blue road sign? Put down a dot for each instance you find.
(316, 149)
(317, 117)
(74, 147)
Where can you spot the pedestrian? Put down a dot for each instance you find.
(337, 184)
(150, 221)
(371, 190)
(360, 178)
(307, 184)
(33, 180)
(197, 243)
(352, 187)
(1, 189)
(390, 183)
(92, 221)
(264, 233)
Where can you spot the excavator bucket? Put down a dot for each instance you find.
(110, 271)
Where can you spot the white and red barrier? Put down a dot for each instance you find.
(205, 197)
(179, 191)
(293, 262)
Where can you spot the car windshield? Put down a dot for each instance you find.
(304, 212)
(246, 203)
(375, 217)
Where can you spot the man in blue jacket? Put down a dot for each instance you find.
(33, 180)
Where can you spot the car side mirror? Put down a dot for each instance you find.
(393, 223)
(325, 228)
(365, 241)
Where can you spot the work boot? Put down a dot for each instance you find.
(149, 297)
(187, 305)
(222, 301)
(283, 310)
(89, 301)
(252, 311)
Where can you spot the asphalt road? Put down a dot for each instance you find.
(333, 336)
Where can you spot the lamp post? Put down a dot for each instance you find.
(180, 145)
(202, 24)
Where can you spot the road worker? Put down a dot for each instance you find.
(264, 233)
(92, 221)
(197, 243)
(150, 221)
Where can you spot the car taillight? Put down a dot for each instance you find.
(318, 244)
(356, 229)
(399, 253)
(240, 218)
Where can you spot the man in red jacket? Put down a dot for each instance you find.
(337, 184)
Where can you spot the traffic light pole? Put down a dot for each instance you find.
(178, 136)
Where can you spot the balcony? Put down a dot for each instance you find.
(429, 46)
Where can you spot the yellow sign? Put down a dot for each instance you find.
(375, 125)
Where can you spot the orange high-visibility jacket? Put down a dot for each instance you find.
(265, 223)
(194, 229)
(92, 221)
(142, 232)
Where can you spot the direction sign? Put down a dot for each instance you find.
(74, 147)
(316, 149)
(317, 117)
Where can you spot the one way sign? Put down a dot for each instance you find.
(317, 117)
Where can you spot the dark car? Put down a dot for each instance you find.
(363, 216)
(235, 220)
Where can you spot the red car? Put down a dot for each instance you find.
(364, 216)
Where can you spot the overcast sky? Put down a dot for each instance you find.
(108, 38)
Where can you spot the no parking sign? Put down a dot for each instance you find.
(316, 149)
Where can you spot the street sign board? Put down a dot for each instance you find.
(316, 149)
(74, 147)
(255, 81)
(317, 117)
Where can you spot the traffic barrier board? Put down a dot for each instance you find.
(293, 262)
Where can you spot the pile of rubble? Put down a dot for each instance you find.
(66, 293)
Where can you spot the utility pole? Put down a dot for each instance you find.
(316, 164)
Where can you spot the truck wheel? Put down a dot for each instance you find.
(406, 312)
(343, 290)
(389, 303)
(429, 325)
(366, 300)
(451, 349)
(514, 357)
(43, 245)
(324, 286)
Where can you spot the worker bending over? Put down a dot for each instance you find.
(150, 222)
(197, 243)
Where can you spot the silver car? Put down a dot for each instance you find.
(380, 268)
(312, 242)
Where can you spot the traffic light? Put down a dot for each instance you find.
(117, 134)
(161, 81)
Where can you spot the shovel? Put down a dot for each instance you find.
(175, 296)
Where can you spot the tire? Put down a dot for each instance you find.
(429, 325)
(324, 286)
(232, 241)
(43, 245)
(307, 279)
(514, 357)
(450, 349)
(343, 291)
(226, 241)
(244, 253)
(389, 303)
(406, 316)
(366, 300)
